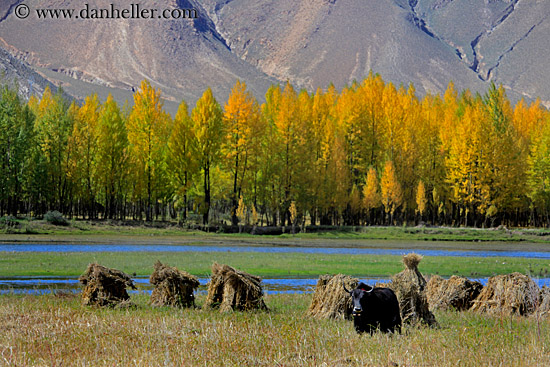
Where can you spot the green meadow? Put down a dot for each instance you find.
(262, 264)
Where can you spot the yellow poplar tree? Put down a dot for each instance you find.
(241, 213)
(371, 193)
(503, 171)
(244, 128)
(392, 194)
(208, 127)
(282, 114)
(83, 145)
(293, 214)
(323, 137)
(464, 158)
(148, 132)
(421, 199)
(538, 178)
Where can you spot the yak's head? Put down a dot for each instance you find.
(359, 297)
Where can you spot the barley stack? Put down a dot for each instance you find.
(330, 300)
(455, 292)
(173, 287)
(410, 288)
(544, 306)
(105, 287)
(508, 294)
(231, 289)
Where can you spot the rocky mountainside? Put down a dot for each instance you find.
(181, 57)
(311, 43)
(17, 74)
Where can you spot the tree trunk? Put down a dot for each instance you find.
(206, 194)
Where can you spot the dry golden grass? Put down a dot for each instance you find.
(56, 331)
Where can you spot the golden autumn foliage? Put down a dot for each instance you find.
(208, 130)
(334, 157)
(421, 199)
(391, 192)
(371, 191)
(241, 146)
(148, 127)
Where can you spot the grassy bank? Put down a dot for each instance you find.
(55, 331)
(262, 264)
(105, 230)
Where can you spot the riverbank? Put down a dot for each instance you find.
(57, 330)
(107, 231)
(272, 263)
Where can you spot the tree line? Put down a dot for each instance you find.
(368, 154)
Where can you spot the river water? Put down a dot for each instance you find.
(46, 285)
(40, 247)
(40, 285)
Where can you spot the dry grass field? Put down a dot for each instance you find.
(54, 330)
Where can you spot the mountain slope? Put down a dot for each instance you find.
(503, 41)
(427, 42)
(182, 57)
(17, 74)
(311, 43)
(315, 42)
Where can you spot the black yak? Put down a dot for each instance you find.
(375, 308)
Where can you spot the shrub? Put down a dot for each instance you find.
(8, 221)
(56, 218)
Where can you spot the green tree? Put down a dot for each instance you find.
(53, 125)
(182, 161)
(16, 137)
(112, 157)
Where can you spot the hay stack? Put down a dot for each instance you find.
(231, 289)
(410, 289)
(508, 294)
(544, 307)
(455, 292)
(173, 287)
(330, 300)
(105, 287)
